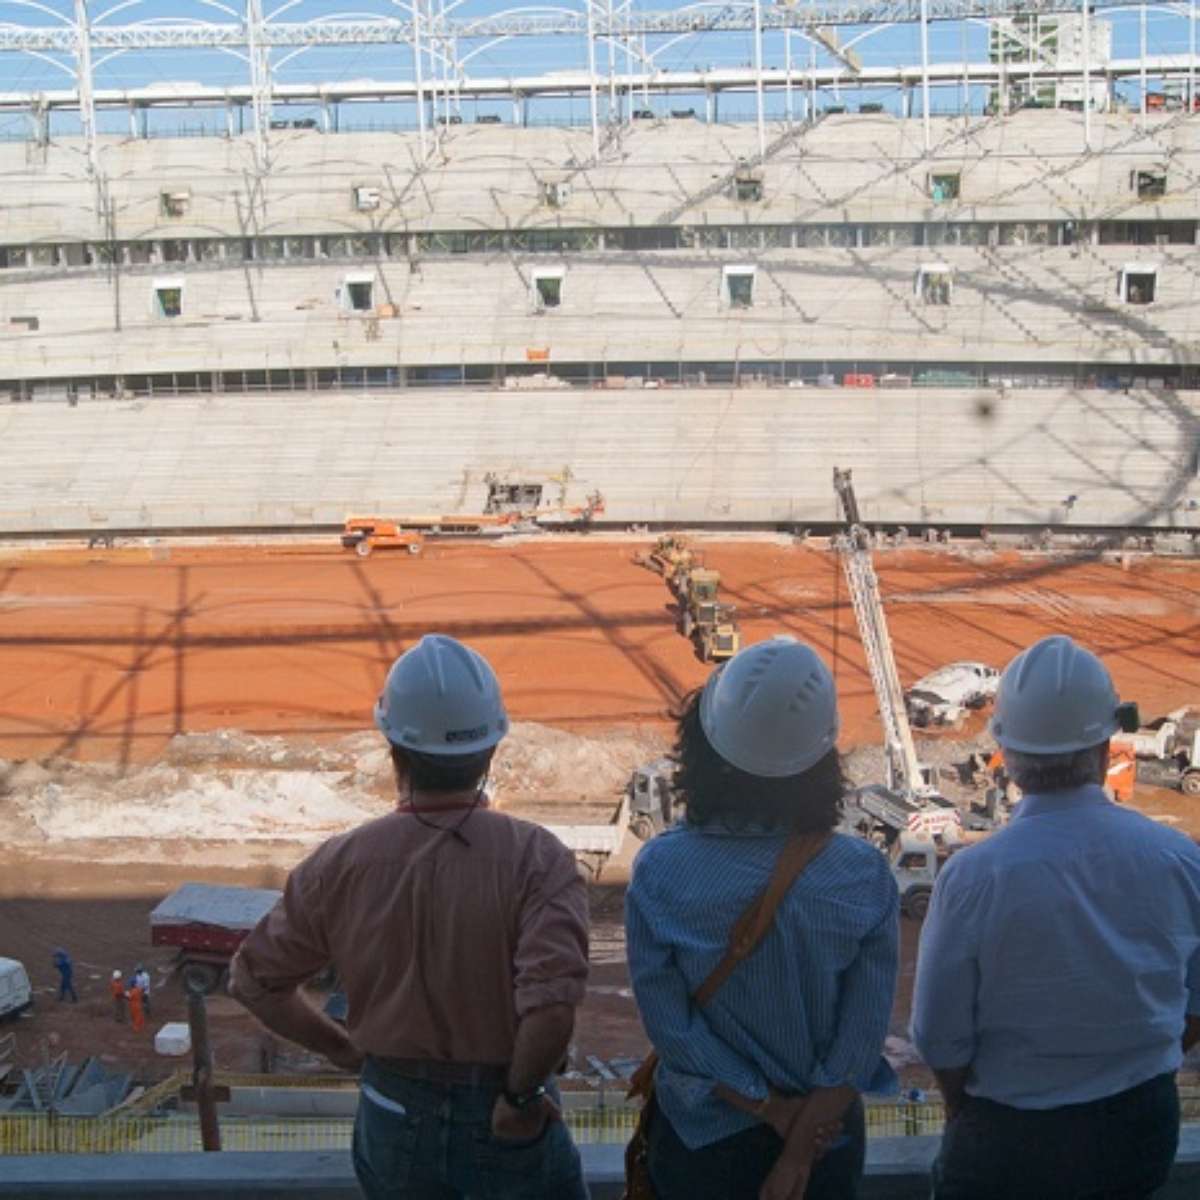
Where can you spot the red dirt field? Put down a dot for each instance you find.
(105, 655)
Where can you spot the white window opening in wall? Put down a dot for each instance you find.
(737, 286)
(548, 287)
(1150, 183)
(555, 193)
(944, 186)
(168, 298)
(748, 184)
(366, 199)
(358, 293)
(175, 203)
(1138, 283)
(935, 284)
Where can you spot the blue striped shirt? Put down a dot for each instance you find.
(1060, 956)
(809, 1008)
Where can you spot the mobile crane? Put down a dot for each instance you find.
(908, 801)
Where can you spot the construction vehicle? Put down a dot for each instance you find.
(721, 640)
(944, 696)
(364, 535)
(651, 792)
(709, 624)
(593, 829)
(915, 862)
(1167, 751)
(16, 994)
(672, 552)
(909, 799)
(207, 923)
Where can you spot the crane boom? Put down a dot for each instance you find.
(904, 769)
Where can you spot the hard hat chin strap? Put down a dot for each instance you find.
(455, 830)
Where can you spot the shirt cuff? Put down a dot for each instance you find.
(554, 991)
(242, 983)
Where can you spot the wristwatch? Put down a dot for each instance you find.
(523, 1100)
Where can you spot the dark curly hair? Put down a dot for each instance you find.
(440, 772)
(717, 792)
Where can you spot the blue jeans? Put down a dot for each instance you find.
(736, 1167)
(1118, 1148)
(415, 1140)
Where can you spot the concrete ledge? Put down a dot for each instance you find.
(897, 1169)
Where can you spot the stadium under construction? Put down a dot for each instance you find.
(974, 280)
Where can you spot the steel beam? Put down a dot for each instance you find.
(621, 22)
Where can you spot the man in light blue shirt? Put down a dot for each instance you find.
(1058, 982)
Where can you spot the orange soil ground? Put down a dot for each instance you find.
(106, 655)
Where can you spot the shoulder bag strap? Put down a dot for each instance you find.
(752, 926)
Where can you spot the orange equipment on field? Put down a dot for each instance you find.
(364, 534)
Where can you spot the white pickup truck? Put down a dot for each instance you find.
(943, 696)
(16, 995)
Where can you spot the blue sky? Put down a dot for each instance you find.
(1167, 33)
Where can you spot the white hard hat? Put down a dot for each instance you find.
(117, 974)
(441, 697)
(771, 710)
(1054, 698)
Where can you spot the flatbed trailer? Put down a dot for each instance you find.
(593, 830)
(206, 923)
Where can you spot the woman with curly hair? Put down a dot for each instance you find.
(758, 1089)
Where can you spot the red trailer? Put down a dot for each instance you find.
(207, 923)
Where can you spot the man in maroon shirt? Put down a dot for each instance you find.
(459, 935)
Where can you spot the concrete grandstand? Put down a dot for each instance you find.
(1007, 260)
(992, 313)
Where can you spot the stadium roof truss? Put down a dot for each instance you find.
(433, 32)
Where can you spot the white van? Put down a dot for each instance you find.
(15, 993)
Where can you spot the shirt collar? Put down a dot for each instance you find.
(1090, 795)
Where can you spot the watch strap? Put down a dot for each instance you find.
(523, 1100)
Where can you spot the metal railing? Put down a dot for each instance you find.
(122, 1133)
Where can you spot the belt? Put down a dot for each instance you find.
(432, 1071)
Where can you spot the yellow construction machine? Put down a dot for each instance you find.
(668, 556)
(711, 625)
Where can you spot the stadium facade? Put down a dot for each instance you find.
(994, 317)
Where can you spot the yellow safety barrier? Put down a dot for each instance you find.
(50, 1133)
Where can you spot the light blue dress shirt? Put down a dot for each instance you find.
(809, 1008)
(1060, 956)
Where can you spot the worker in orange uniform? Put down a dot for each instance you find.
(117, 990)
(459, 935)
(1122, 772)
(137, 1015)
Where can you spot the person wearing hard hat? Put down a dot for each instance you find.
(1058, 979)
(459, 935)
(116, 989)
(756, 1076)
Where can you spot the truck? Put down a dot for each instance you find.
(708, 623)
(364, 535)
(651, 794)
(669, 554)
(722, 638)
(593, 829)
(206, 923)
(909, 799)
(1167, 750)
(914, 862)
(883, 814)
(944, 696)
(16, 994)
